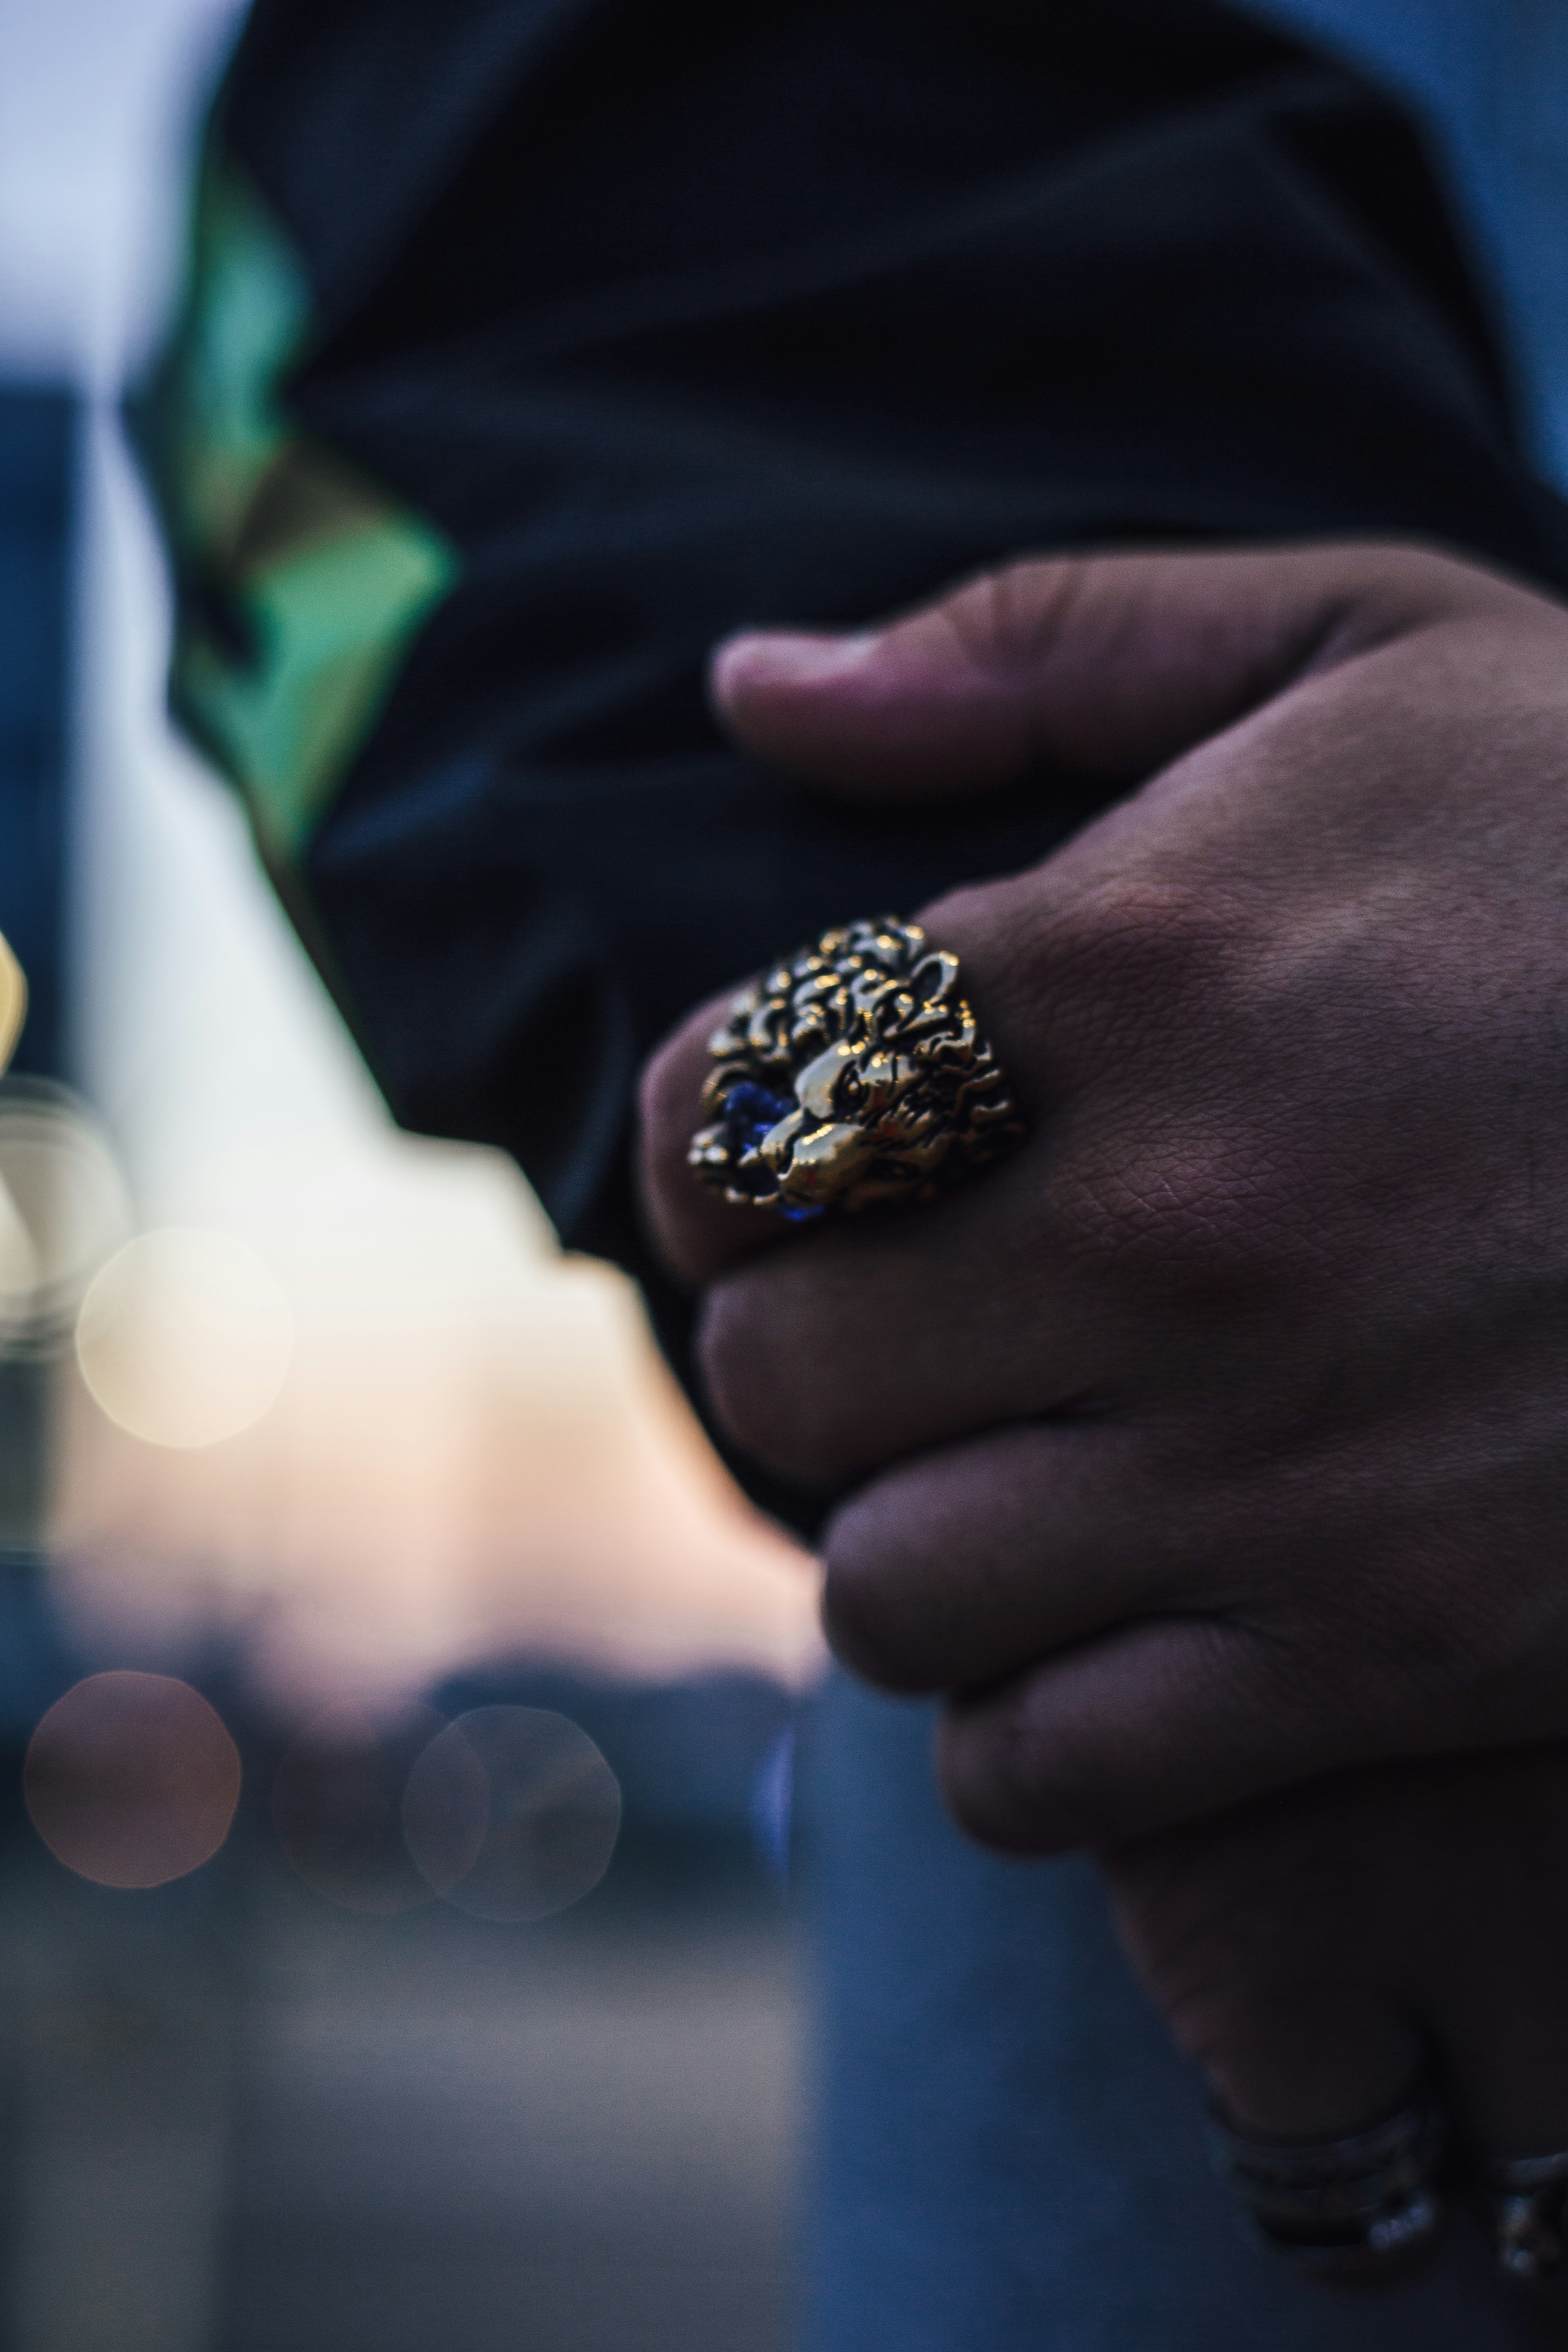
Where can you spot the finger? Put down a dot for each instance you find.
(874, 1339)
(1272, 1938)
(1043, 1281)
(1067, 1278)
(1034, 1027)
(1269, 1936)
(1288, 2059)
(1138, 1730)
(697, 1233)
(694, 1232)
(1112, 663)
(1308, 1949)
(1488, 1839)
(959, 1567)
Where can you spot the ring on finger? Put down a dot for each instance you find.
(1527, 2213)
(1364, 2206)
(849, 1074)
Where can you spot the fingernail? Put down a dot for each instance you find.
(787, 658)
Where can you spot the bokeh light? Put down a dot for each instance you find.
(130, 1780)
(337, 1807)
(512, 1814)
(63, 1210)
(184, 1337)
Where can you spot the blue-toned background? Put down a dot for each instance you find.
(37, 442)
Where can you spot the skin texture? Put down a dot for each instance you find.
(1216, 1444)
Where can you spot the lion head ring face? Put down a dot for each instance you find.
(851, 1073)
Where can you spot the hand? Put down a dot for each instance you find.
(1314, 1949)
(1327, 1953)
(1218, 1438)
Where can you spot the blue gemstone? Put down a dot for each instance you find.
(750, 1110)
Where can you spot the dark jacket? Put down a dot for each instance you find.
(533, 345)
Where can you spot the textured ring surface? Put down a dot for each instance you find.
(1364, 2206)
(1527, 2198)
(849, 1074)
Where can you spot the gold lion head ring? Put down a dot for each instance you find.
(850, 1074)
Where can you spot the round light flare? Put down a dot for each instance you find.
(512, 1814)
(130, 1780)
(184, 1337)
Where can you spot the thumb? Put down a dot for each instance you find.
(1112, 664)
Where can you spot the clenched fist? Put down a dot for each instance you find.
(1220, 1437)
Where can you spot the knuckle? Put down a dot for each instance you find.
(666, 1104)
(1410, 574)
(692, 1230)
(1179, 1220)
(665, 1182)
(1011, 1786)
(1141, 937)
(740, 1374)
(1177, 1172)
(864, 1614)
(1006, 618)
(671, 1079)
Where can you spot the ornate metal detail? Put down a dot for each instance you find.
(1366, 2207)
(1529, 2200)
(850, 1074)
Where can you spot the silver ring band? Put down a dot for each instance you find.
(1527, 2209)
(1366, 2207)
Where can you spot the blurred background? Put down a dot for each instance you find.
(397, 1705)
(397, 1702)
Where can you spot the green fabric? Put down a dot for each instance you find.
(323, 575)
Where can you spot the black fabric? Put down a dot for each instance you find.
(682, 318)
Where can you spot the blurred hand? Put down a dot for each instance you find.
(1217, 1439)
